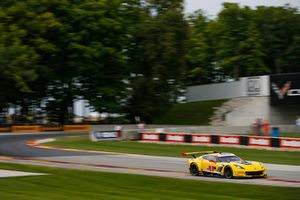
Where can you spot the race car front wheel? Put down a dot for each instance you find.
(228, 172)
(194, 171)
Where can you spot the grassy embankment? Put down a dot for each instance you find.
(195, 113)
(63, 184)
(173, 150)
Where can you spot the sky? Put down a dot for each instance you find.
(212, 7)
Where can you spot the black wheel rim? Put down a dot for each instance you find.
(228, 173)
(194, 170)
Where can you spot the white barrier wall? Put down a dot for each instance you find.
(246, 86)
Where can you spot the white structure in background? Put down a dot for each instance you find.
(249, 100)
(246, 86)
(82, 109)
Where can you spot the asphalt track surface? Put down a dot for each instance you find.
(17, 148)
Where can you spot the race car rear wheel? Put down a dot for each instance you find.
(194, 171)
(228, 172)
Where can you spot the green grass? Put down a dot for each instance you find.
(266, 156)
(196, 113)
(63, 184)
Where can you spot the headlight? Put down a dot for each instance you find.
(238, 166)
(261, 165)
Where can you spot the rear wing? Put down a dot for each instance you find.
(193, 154)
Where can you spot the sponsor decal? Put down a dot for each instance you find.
(289, 143)
(201, 139)
(253, 86)
(175, 137)
(229, 139)
(150, 136)
(285, 89)
(108, 134)
(105, 135)
(259, 141)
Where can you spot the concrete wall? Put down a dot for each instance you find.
(259, 107)
(213, 91)
(246, 86)
(131, 131)
(253, 108)
(285, 114)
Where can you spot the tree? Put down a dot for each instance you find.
(157, 57)
(78, 45)
(230, 46)
(200, 56)
(19, 70)
(279, 27)
(239, 51)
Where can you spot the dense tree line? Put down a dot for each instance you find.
(133, 56)
(243, 42)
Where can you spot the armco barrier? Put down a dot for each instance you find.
(232, 140)
(26, 129)
(76, 128)
(51, 128)
(5, 129)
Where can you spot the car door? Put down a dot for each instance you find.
(205, 164)
(210, 164)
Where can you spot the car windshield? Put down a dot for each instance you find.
(229, 159)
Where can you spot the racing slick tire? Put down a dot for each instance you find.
(194, 171)
(228, 173)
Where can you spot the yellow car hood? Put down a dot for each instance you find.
(250, 165)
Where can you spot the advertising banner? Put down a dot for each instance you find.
(201, 139)
(259, 141)
(289, 143)
(150, 137)
(174, 137)
(253, 86)
(285, 89)
(230, 140)
(105, 135)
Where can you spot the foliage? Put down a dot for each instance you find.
(156, 58)
(133, 57)
(243, 42)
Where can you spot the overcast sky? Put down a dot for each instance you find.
(212, 7)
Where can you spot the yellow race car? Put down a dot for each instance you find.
(225, 165)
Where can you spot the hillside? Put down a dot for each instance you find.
(195, 113)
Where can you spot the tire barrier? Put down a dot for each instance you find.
(52, 128)
(230, 140)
